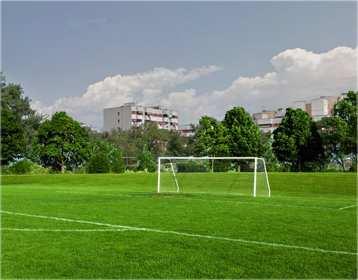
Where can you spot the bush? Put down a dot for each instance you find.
(146, 161)
(5, 170)
(25, 166)
(38, 169)
(98, 163)
(104, 158)
(192, 166)
(117, 163)
(21, 167)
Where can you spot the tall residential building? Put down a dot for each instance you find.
(134, 115)
(268, 121)
(319, 107)
(187, 130)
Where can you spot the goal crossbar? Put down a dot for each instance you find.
(233, 158)
(256, 159)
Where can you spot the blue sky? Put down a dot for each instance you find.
(58, 49)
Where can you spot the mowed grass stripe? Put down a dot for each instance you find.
(130, 199)
(261, 243)
(63, 230)
(267, 202)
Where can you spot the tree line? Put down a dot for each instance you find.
(31, 142)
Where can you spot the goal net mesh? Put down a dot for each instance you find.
(213, 176)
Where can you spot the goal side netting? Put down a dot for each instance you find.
(213, 175)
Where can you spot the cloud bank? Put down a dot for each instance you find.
(297, 74)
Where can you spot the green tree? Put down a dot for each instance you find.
(132, 141)
(176, 144)
(63, 143)
(244, 135)
(116, 160)
(146, 160)
(346, 110)
(18, 123)
(296, 141)
(98, 163)
(110, 157)
(154, 138)
(271, 161)
(334, 132)
(210, 138)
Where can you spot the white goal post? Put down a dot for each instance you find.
(171, 169)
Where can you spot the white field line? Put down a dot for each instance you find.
(260, 243)
(350, 206)
(63, 230)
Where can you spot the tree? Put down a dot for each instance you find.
(18, 123)
(346, 110)
(210, 138)
(146, 160)
(116, 160)
(98, 163)
(334, 132)
(271, 161)
(132, 141)
(153, 138)
(296, 141)
(104, 157)
(244, 135)
(175, 146)
(63, 143)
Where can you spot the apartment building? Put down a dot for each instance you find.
(187, 130)
(319, 107)
(134, 115)
(268, 121)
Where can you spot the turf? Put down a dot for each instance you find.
(217, 234)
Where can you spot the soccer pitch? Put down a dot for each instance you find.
(116, 226)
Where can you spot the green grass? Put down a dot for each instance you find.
(304, 211)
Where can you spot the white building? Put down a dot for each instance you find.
(133, 115)
(187, 130)
(268, 121)
(319, 107)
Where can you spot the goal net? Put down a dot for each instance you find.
(213, 175)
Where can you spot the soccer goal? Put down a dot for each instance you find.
(213, 175)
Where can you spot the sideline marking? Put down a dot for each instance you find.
(350, 206)
(63, 230)
(185, 234)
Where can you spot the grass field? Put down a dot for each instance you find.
(116, 226)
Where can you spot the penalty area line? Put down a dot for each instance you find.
(220, 238)
(346, 207)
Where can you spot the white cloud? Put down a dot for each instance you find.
(146, 88)
(297, 74)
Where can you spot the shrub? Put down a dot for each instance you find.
(146, 161)
(22, 166)
(117, 163)
(192, 166)
(5, 170)
(38, 169)
(98, 163)
(25, 166)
